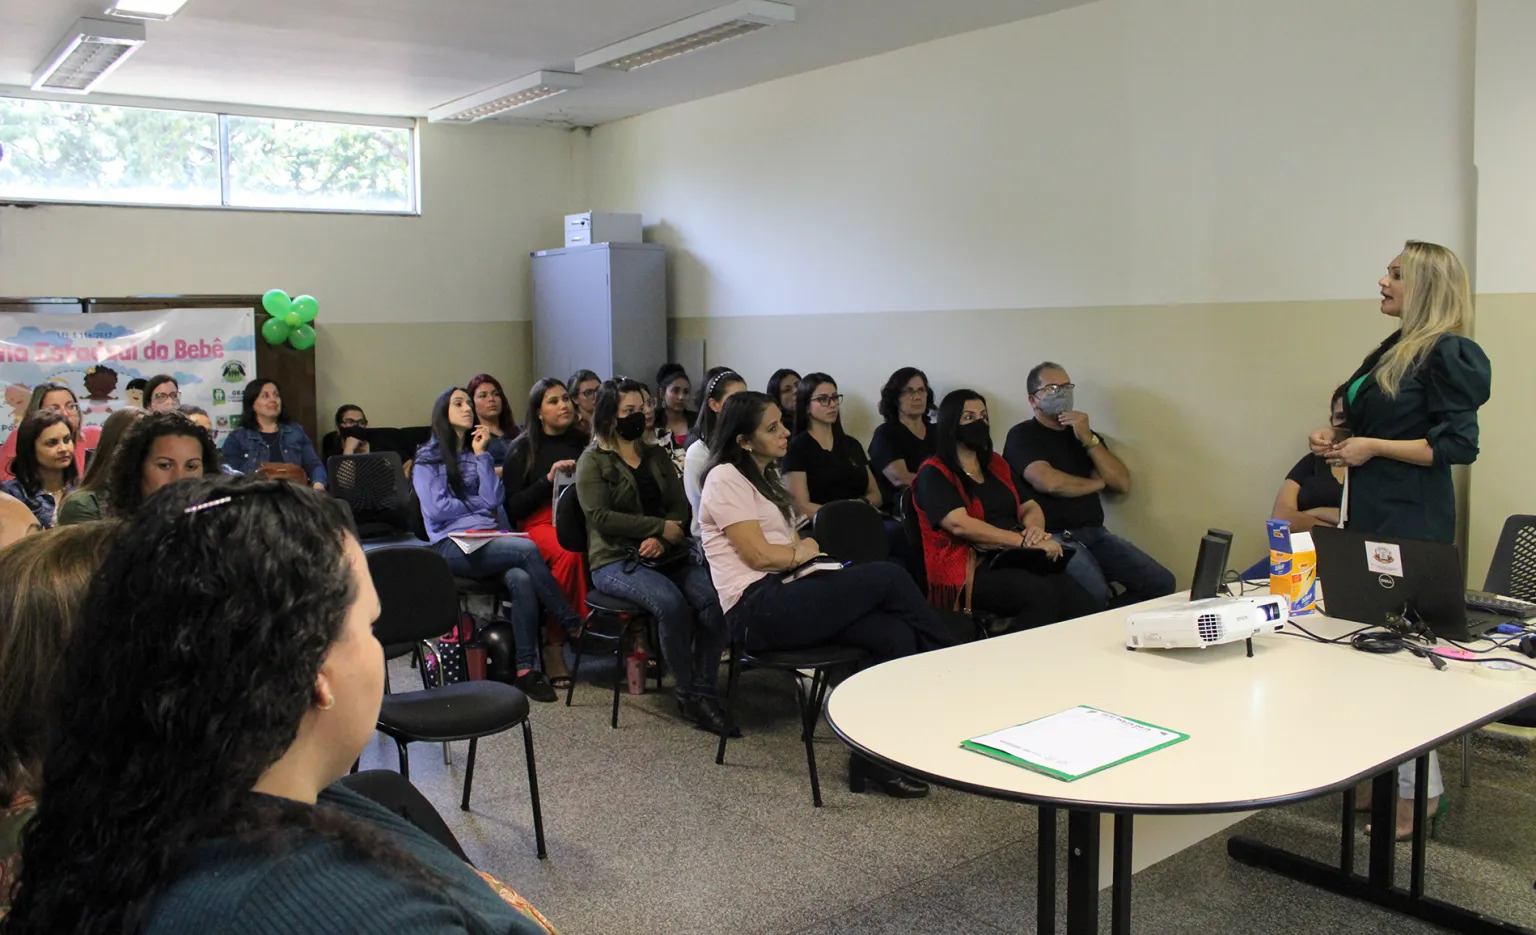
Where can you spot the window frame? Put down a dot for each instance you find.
(223, 111)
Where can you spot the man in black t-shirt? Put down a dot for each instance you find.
(1067, 465)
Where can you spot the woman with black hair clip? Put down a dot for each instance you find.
(967, 500)
(720, 383)
(222, 676)
(750, 541)
(43, 472)
(459, 490)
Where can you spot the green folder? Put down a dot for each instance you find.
(1123, 739)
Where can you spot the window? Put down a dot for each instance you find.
(107, 154)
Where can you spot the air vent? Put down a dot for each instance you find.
(1210, 628)
(89, 52)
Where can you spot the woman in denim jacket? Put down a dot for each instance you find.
(266, 434)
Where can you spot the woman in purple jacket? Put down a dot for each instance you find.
(456, 482)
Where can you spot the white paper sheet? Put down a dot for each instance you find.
(1078, 740)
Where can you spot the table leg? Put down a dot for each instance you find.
(1347, 833)
(1120, 897)
(1420, 825)
(1045, 874)
(1383, 829)
(1083, 873)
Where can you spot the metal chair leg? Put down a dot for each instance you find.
(618, 677)
(1466, 760)
(405, 759)
(469, 776)
(533, 792)
(570, 690)
(810, 710)
(732, 669)
(447, 755)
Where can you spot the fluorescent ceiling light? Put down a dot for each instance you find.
(146, 9)
(88, 53)
(503, 97)
(689, 35)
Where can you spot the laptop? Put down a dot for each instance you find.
(1365, 577)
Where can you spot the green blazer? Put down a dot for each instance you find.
(1437, 401)
(82, 506)
(610, 499)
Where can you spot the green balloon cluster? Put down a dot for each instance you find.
(290, 319)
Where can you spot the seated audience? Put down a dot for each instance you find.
(195, 789)
(133, 393)
(350, 435)
(460, 491)
(672, 418)
(904, 440)
(750, 542)
(583, 386)
(88, 502)
(43, 472)
(61, 399)
(266, 436)
(201, 419)
(492, 411)
(44, 580)
(824, 463)
(1313, 492)
(1067, 465)
(968, 507)
(784, 387)
(16, 520)
(637, 527)
(161, 448)
(545, 452)
(162, 393)
(720, 384)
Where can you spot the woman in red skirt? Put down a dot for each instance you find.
(540, 459)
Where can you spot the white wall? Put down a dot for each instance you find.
(1127, 152)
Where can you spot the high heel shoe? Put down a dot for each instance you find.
(862, 772)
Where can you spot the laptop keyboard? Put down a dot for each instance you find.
(1498, 604)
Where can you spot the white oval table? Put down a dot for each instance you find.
(1291, 723)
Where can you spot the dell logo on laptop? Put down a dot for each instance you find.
(1386, 581)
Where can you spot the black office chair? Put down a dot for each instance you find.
(610, 620)
(825, 662)
(374, 486)
(851, 531)
(417, 603)
(1511, 572)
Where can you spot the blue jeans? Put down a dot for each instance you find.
(1102, 557)
(687, 613)
(529, 584)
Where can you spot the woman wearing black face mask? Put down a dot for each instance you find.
(637, 526)
(967, 500)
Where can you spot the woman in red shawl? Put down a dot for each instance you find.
(967, 500)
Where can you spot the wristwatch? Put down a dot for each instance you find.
(1093, 441)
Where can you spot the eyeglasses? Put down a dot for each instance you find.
(586, 394)
(1051, 389)
(173, 397)
(354, 423)
(827, 400)
(914, 391)
(68, 408)
(966, 418)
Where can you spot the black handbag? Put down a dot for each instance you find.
(672, 558)
(1032, 560)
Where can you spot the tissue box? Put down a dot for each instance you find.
(1293, 567)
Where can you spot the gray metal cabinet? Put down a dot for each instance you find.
(602, 307)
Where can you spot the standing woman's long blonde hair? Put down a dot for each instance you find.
(1437, 300)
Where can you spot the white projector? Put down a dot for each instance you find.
(1203, 623)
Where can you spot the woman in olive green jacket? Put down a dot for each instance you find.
(637, 525)
(1412, 411)
(89, 501)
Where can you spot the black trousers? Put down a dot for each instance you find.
(874, 606)
(1034, 600)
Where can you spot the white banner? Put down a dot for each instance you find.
(211, 352)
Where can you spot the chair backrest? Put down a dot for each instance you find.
(416, 522)
(851, 531)
(1513, 569)
(911, 528)
(570, 522)
(374, 486)
(416, 594)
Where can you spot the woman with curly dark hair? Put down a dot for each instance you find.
(164, 447)
(222, 676)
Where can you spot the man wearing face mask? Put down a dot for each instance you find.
(1067, 464)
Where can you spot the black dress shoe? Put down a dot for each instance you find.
(861, 772)
(533, 684)
(705, 713)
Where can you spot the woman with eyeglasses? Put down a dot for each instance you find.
(60, 399)
(904, 440)
(492, 411)
(637, 531)
(823, 462)
(266, 436)
(350, 436)
(43, 471)
(969, 509)
(583, 386)
(162, 393)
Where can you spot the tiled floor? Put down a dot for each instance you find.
(647, 834)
